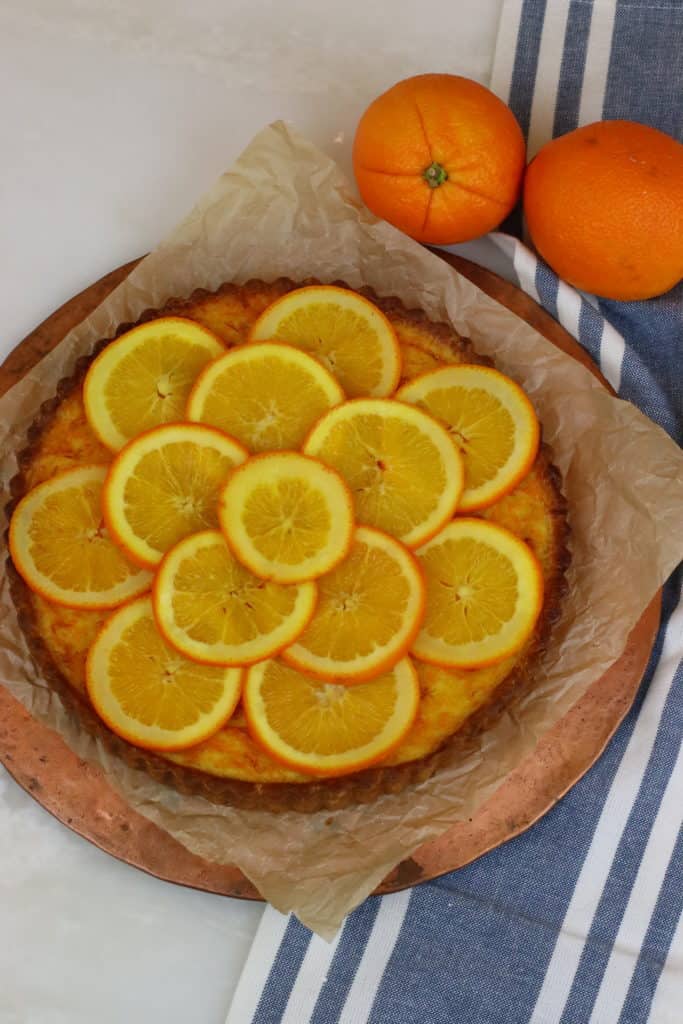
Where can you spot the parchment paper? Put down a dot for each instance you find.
(284, 209)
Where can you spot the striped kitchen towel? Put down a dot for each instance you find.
(577, 921)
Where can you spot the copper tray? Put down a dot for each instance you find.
(79, 796)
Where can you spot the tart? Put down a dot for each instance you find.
(230, 767)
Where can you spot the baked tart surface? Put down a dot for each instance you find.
(455, 704)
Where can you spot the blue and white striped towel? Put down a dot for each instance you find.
(577, 921)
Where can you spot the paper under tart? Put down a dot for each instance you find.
(230, 768)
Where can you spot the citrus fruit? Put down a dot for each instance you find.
(346, 332)
(492, 422)
(61, 547)
(267, 396)
(288, 518)
(326, 728)
(150, 694)
(440, 157)
(484, 595)
(402, 467)
(142, 379)
(369, 611)
(211, 608)
(164, 485)
(604, 207)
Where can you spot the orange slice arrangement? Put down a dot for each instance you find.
(484, 594)
(281, 530)
(165, 485)
(492, 422)
(181, 702)
(61, 546)
(326, 728)
(143, 379)
(267, 396)
(404, 471)
(213, 609)
(344, 331)
(368, 613)
(288, 518)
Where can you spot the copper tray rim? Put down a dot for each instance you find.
(430, 861)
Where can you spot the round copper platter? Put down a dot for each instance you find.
(79, 796)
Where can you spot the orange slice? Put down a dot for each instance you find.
(288, 518)
(369, 612)
(165, 485)
(142, 379)
(61, 547)
(324, 728)
(404, 471)
(267, 396)
(484, 595)
(212, 609)
(150, 694)
(347, 333)
(492, 422)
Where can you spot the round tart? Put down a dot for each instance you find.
(455, 705)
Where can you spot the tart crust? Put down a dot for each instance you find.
(536, 506)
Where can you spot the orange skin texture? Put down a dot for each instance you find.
(604, 207)
(456, 123)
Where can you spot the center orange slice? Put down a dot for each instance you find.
(369, 611)
(150, 694)
(211, 608)
(61, 546)
(326, 729)
(402, 467)
(484, 595)
(267, 396)
(288, 518)
(346, 332)
(492, 422)
(142, 379)
(165, 485)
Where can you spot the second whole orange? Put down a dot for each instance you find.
(604, 207)
(440, 157)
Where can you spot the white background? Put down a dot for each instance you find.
(115, 117)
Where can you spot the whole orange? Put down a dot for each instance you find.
(440, 157)
(604, 207)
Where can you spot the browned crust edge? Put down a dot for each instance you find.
(325, 794)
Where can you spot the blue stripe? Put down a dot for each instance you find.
(657, 942)
(526, 61)
(547, 286)
(528, 44)
(651, 371)
(572, 67)
(345, 963)
(644, 84)
(629, 854)
(644, 76)
(283, 974)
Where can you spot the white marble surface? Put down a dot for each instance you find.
(115, 117)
